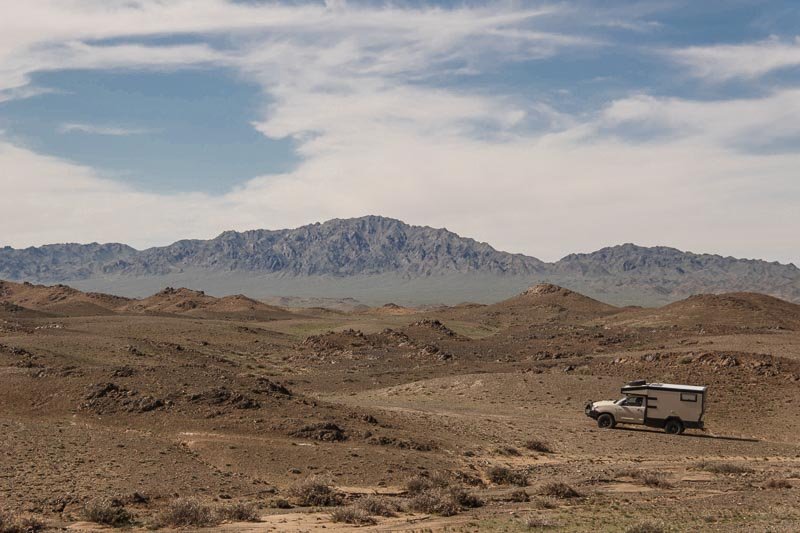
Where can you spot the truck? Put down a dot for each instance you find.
(669, 406)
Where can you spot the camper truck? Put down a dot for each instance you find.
(663, 405)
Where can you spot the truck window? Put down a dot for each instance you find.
(688, 397)
(633, 401)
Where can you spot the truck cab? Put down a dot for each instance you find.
(671, 407)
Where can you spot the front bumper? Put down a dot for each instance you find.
(590, 412)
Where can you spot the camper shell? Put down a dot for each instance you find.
(663, 405)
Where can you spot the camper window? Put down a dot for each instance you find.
(688, 397)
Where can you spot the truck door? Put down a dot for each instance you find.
(632, 410)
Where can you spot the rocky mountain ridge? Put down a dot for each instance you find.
(367, 245)
(392, 257)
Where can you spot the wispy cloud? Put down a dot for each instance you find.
(21, 93)
(746, 61)
(94, 129)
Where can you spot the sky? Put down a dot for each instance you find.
(544, 128)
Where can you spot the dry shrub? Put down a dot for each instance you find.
(584, 370)
(627, 472)
(188, 512)
(646, 527)
(377, 506)
(239, 512)
(501, 475)
(436, 496)
(508, 450)
(536, 445)
(654, 479)
(722, 468)
(281, 503)
(420, 483)
(536, 522)
(519, 495)
(464, 498)
(14, 523)
(353, 515)
(110, 512)
(443, 500)
(546, 502)
(778, 484)
(648, 478)
(558, 489)
(315, 492)
(435, 501)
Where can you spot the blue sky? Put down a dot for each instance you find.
(543, 128)
(184, 130)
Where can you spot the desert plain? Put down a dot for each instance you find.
(186, 411)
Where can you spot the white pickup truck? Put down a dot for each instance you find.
(663, 405)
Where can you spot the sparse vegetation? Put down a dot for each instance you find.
(15, 523)
(654, 480)
(559, 489)
(464, 498)
(722, 467)
(648, 478)
(511, 451)
(418, 484)
(546, 502)
(584, 370)
(315, 492)
(503, 415)
(537, 522)
(536, 445)
(435, 501)
(776, 483)
(501, 475)
(239, 512)
(109, 512)
(188, 512)
(353, 515)
(436, 495)
(519, 495)
(377, 506)
(646, 527)
(281, 503)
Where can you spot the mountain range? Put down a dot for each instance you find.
(376, 260)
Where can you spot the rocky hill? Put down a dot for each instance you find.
(378, 260)
(715, 313)
(542, 303)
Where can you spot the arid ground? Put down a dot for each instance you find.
(183, 410)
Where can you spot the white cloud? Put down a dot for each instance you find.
(753, 122)
(360, 90)
(94, 129)
(545, 195)
(747, 61)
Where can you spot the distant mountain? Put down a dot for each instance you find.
(352, 247)
(377, 259)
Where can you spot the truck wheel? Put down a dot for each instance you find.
(673, 427)
(606, 421)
